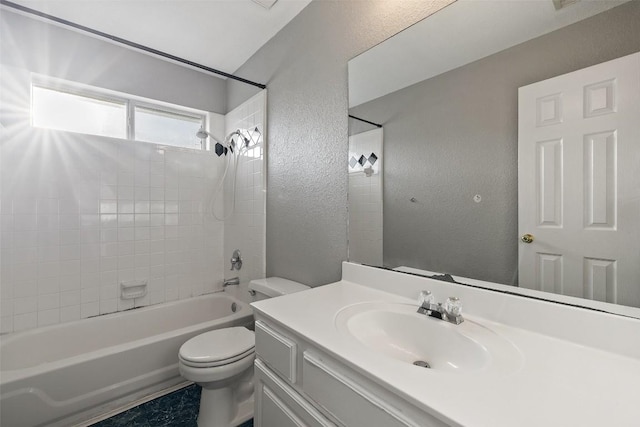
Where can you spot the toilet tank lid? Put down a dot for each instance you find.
(276, 286)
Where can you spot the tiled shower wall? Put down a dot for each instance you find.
(245, 227)
(365, 197)
(80, 214)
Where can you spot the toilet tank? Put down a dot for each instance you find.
(273, 287)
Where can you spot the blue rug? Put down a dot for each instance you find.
(177, 409)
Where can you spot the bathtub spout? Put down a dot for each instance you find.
(230, 282)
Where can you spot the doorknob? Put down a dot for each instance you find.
(527, 238)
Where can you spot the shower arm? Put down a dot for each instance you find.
(204, 134)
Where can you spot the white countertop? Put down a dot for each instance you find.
(558, 382)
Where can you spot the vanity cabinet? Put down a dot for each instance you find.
(342, 355)
(297, 384)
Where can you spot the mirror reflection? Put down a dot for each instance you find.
(506, 149)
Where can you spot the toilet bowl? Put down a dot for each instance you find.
(221, 362)
(215, 360)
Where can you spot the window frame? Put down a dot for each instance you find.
(130, 103)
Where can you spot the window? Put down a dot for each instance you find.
(75, 108)
(166, 127)
(54, 109)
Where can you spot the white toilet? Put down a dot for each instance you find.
(221, 361)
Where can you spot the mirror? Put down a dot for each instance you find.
(445, 92)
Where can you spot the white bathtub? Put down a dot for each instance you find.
(64, 374)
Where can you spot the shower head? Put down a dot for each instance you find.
(202, 134)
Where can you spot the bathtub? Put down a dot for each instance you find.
(64, 374)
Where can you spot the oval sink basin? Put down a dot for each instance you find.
(398, 332)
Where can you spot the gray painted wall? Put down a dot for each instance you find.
(455, 135)
(66, 54)
(305, 69)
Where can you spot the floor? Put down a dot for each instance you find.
(177, 409)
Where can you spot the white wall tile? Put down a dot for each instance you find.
(69, 221)
(141, 193)
(25, 321)
(89, 295)
(108, 264)
(25, 305)
(6, 324)
(156, 193)
(24, 289)
(141, 247)
(70, 298)
(24, 206)
(25, 222)
(71, 282)
(109, 291)
(126, 262)
(90, 309)
(126, 275)
(125, 304)
(48, 317)
(126, 234)
(70, 313)
(125, 247)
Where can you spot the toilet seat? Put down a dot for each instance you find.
(214, 363)
(218, 348)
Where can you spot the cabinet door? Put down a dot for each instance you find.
(279, 405)
(274, 412)
(276, 350)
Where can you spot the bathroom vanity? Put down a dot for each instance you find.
(344, 354)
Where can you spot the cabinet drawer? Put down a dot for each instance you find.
(278, 351)
(350, 403)
(278, 405)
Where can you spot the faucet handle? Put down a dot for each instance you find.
(425, 299)
(453, 306)
(236, 260)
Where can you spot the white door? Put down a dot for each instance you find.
(579, 183)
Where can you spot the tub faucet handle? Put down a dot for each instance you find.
(236, 260)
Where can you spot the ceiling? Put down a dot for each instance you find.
(459, 34)
(221, 34)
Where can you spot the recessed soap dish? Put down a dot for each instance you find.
(133, 289)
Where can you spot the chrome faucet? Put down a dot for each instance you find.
(231, 282)
(451, 311)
